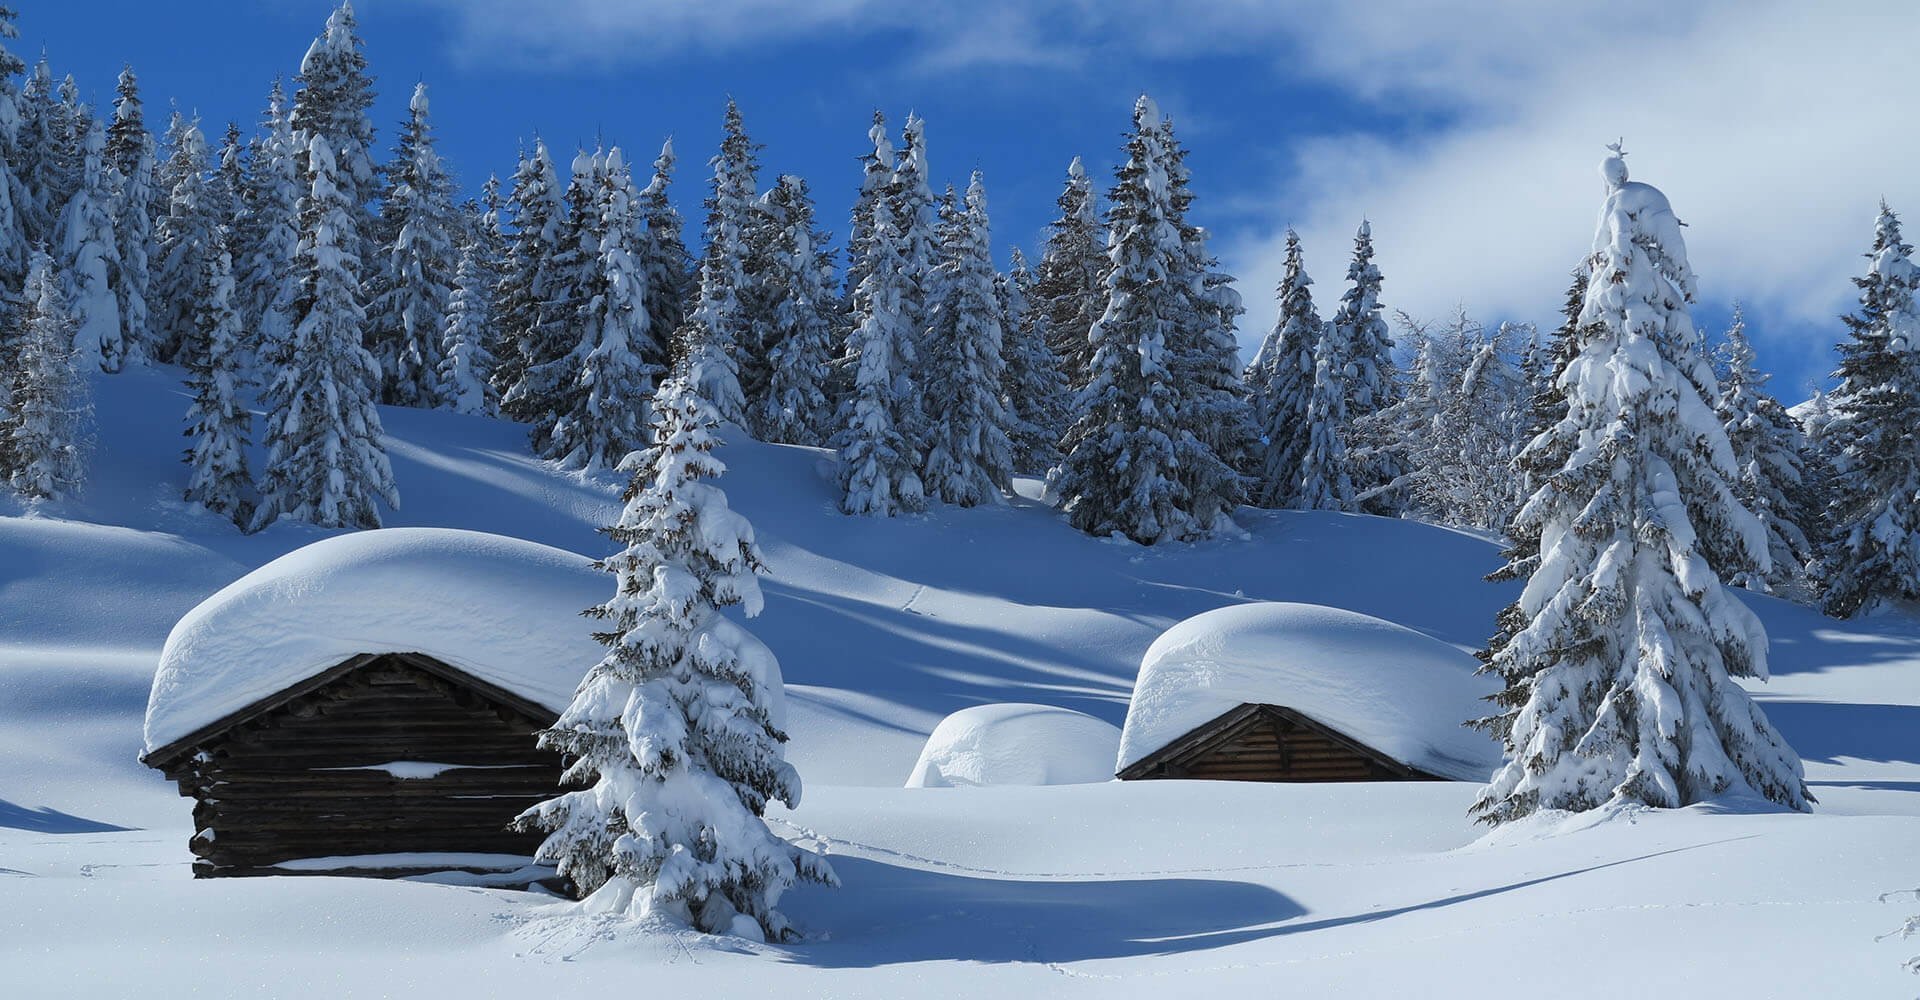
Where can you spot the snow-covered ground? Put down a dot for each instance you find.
(884, 628)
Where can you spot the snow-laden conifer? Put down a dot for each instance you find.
(326, 463)
(1621, 683)
(1033, 390)
(915, 216)
(797, 409)
(130, 152)
(181, 235)
(676, 734)
(551, 348)
(264, 272)
(89, 259)
(406, 313)
(465, 361)
(709, 339)
(15, 198)
(969, 458)
(46, 157)
(1118, 476)
(601, 411)
(1367, 369)
(1068, 287)
(1280, 381)
(520, 299)
(1768, 445)
(879, 462)
(876, 171)
(46, 425)
(1873, 550)
(1323, 481)
(332, 102)
(668, 265)
(218, 423)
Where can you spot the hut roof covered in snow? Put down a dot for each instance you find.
(1394, 690)
(502, 610)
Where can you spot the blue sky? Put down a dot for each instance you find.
(1469, 137)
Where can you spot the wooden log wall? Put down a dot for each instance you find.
(295, 782)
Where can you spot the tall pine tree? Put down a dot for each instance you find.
(879, 461)
(326, 463)
(797, 409)
(1767, 448)
(1872, 554)
(218, 424)
(413, 276)
(1069, 290)
(1280, 384)
(1033, 390)
(709, 341)
(130, 152)
(90, 258)
(969, 458)
(46, 427)
(676, 734)
(1621, 684)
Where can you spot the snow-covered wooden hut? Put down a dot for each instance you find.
(1300, 692)
(368, 703)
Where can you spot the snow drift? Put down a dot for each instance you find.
(503, 610)
(1016, 744)
(1393, 689)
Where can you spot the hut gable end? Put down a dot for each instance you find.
(1269, 743)
(384, 754)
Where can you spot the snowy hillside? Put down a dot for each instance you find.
(883, 628)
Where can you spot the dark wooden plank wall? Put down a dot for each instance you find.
(1268, 749)
(281, 786)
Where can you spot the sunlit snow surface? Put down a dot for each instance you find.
(1114, 889)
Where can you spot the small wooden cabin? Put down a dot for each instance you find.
(369, 703)
(1269, 743)
(383, 756)
(1274, 691)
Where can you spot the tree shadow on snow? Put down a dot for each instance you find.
(1826, 731)
(901, 915)
(17, 817)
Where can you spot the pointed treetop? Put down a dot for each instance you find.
(418, 105)
(1146, 111)
(1613, 169)
(1076, 169)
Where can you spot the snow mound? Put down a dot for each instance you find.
(1016, 745)
(504, 610)
(1400, 692)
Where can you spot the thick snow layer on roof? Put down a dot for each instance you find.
(1016, 745)
(1389, 687)
(505, 611)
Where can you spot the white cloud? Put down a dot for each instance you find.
(1774, 129)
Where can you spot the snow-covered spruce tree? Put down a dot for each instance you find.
(89, 259)
(1767, 448)
(332, 102)
(879, 463)
(45, 158)
(406, 313)
(552, 348)
(465, 362)
(668, 265)
(48, 417)
(676, 733)
(709, 339)
(1033, 390)
(1280, 381)
(218, 423)
(130, 152)
(601, 411)
(264, 271)
(520, 298)
(1069, 290)
(1620, 687)
(1217, 437)
(1463, 473)
(1872, 554)
(915, 215)
(181, 235)
(1118, 476)
(14, 195)
(326, 464)
(796, 409)
(1367, 362)
(875, 174)
(1324, 483)
(969, 458)
(226, 185)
